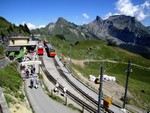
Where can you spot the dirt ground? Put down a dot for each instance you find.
(18, 106)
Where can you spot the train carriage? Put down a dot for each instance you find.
(40, 49)
(50, 50)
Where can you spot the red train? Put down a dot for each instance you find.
(49, 49)
(40, 49)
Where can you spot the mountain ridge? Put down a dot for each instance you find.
(118, 30)
(71, 31)
(122, 28)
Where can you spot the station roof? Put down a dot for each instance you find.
(31, 43)
(9, 49)
(19, 38)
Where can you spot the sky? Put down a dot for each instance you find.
(39, 13)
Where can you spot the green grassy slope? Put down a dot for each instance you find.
(11, 82)
(7, 28)
(114, 61)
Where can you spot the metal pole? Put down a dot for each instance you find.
(100, 89)
(127, 79)
(70, 60)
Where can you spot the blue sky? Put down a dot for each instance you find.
(36, 13)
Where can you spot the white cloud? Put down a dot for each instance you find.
(146, 4)
(126, 7)
(40, 26)
(32, 26)
(108, 15)
(85, 15)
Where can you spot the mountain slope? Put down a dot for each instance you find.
(70, 31)
(4, 23)
(120, 28)
(9, 29)
(148, 28)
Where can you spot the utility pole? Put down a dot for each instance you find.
(70, 59)
(100, 90)
(127, 79)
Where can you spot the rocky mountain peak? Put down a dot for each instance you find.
(61, 20)
(98, 18)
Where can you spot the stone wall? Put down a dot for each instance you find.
(3, 104)
(4, 61)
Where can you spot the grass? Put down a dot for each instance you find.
(54, 97)
(9, 99)
(10, 78)
(74, 108)
(11, 82)
(98, 50)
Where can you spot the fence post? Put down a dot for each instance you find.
(100, 89)
(1, 111)
(51, 92)
(82, 109)
(66, 100)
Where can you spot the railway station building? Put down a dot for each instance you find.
(18, 45)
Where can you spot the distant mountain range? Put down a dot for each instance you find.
(70, 31)
(119, 30)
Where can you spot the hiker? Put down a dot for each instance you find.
(64, 64)
(60, 59)
(27, 73)
(33, 70)
(31, 82)
(56, 87)
(36, 83)
(64, 91)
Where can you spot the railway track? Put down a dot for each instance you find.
(74, 86)
(72, 96)
(95, 102)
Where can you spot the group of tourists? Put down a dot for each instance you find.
(56, 89)
(34, 82)
(32, 71)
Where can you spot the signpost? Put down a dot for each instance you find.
(70, 60)
(126, 87)
(100, 90)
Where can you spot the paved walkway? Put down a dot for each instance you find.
(42, 103)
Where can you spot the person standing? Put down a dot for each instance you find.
(64, 90)
(32, 82)
(27, 73)
(36, 83)
(56, 87)
(34, 70)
